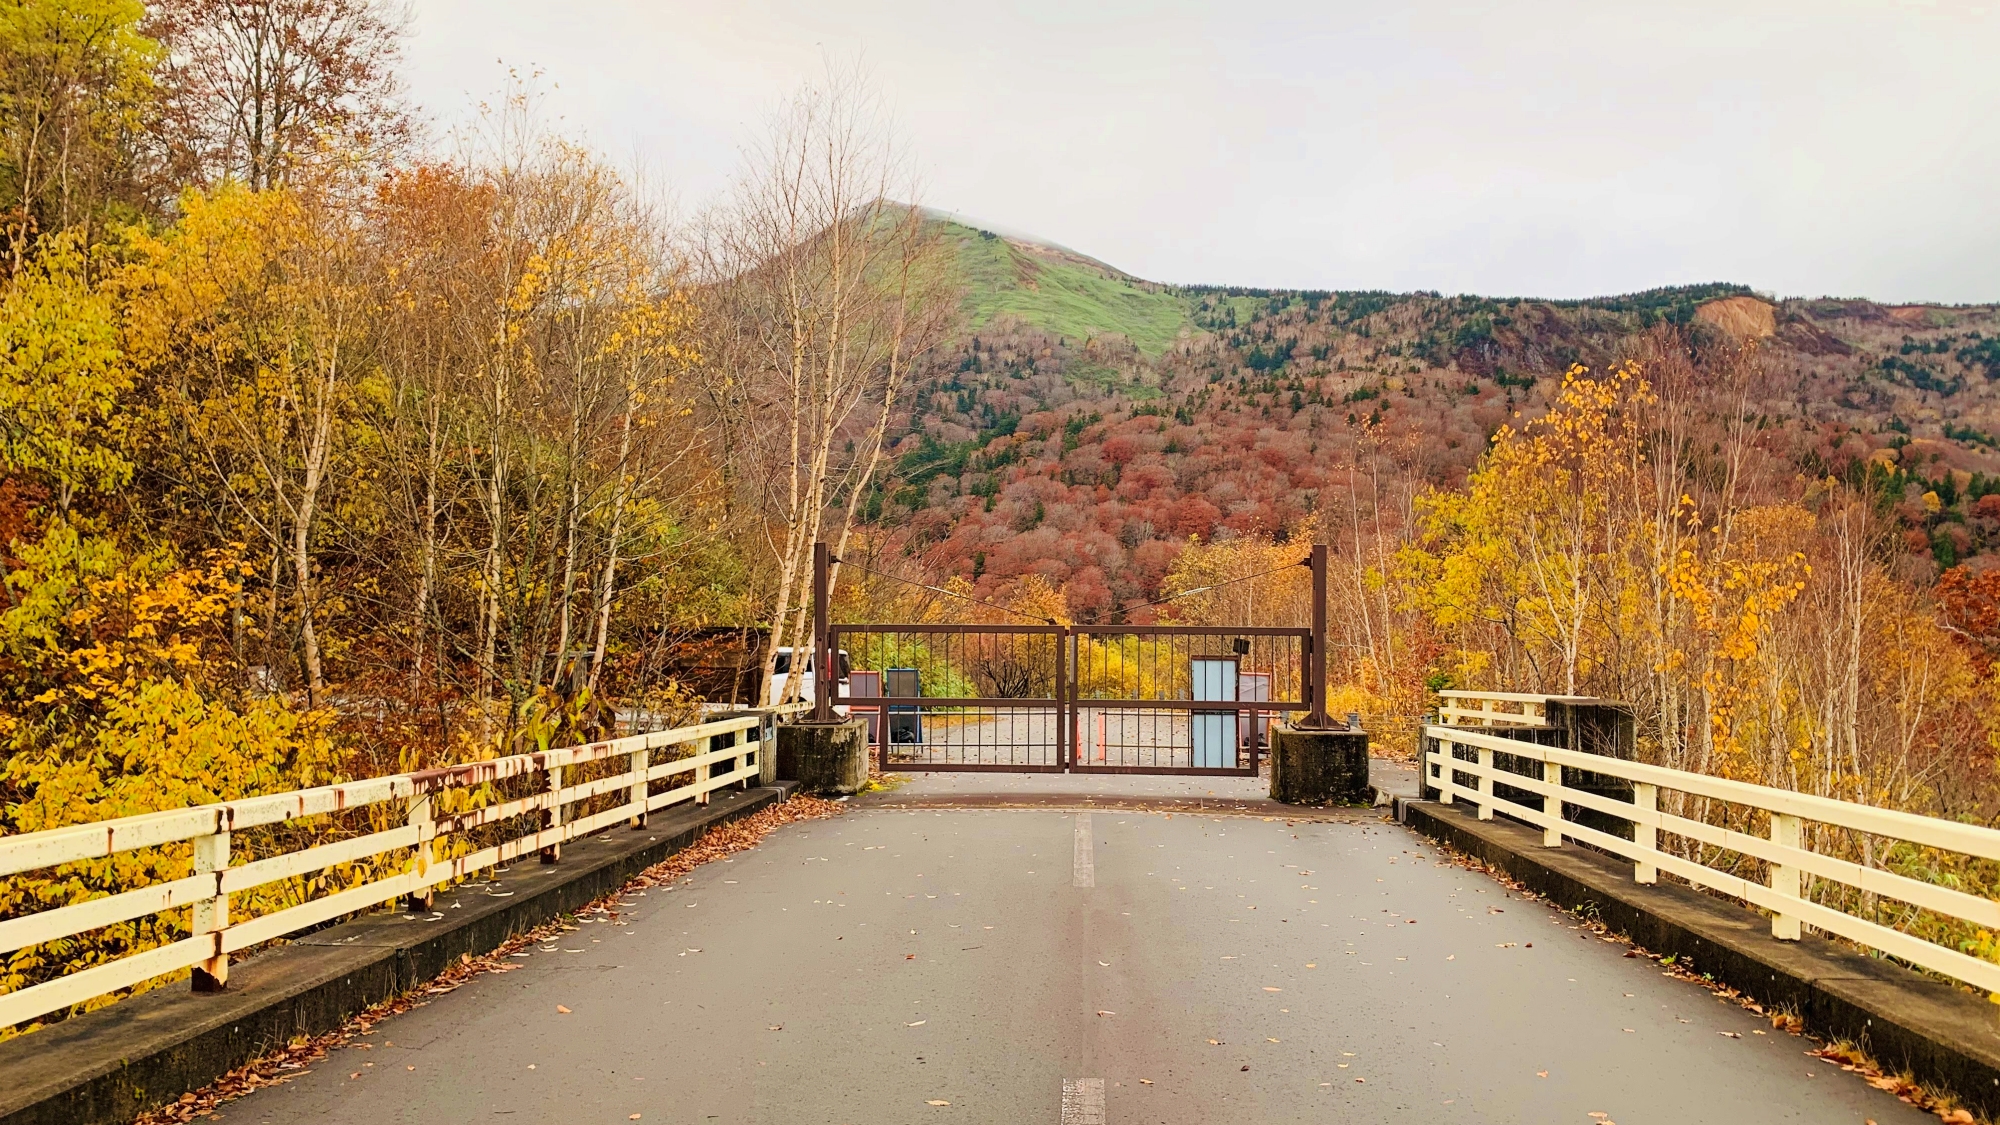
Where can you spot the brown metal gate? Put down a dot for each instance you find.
(1086, 699)
(1058, 698)
(958, 697)
(1181, 698)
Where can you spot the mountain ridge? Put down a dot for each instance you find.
(1088, 423)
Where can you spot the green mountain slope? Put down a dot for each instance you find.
(1060, 291)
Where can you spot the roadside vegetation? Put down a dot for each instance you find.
(331, 448)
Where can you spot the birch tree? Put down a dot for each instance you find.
(832, 293)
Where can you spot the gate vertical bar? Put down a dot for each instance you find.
(823, 679)
(1065, 747)
(1317, 719)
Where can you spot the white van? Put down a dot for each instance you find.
(782, 671)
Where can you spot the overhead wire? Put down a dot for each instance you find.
(1307, 561)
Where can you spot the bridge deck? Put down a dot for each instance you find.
(1213, 969)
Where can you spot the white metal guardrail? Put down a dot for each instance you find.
(1785, 851)
(1501, 708)
(736, 749)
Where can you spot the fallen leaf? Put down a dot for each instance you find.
(775, 1027)
(356, 1074)
(1215, 1042)
(409, 1068)
(1246, 1066)
(1361, 1080)
(1106, 964)
(1268, 1039)
(1541, 1074)
(1730, 1034)
(937, 1101)
(1104, 1013)
(1145, 1082)
(1268, 988)
(919, 1023)
(634, 1117)
(563, 1010)
(1505, 945)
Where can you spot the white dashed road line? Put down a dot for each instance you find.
(1086, 858)
(1083, 1101)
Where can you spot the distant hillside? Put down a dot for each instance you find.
(1061, 292)
(1090, 423)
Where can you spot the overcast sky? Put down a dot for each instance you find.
(1804, 147)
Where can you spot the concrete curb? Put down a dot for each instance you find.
(1067, 802)
(1947, 1037)
(108, 1066)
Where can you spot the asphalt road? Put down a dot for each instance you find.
(1140, 968)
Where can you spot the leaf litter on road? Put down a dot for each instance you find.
(294, 1060)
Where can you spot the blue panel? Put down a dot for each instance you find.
(1214, 679)
(1214, 731)
(1214, 740)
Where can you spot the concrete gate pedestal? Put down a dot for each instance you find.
(1320, 767)
(830, 759)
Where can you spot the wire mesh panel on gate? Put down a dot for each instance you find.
(1182, 698)
(959, 697)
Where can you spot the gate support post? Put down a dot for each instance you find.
(1320, 767)
(825, 679)
(829, 759)
(1317, 719)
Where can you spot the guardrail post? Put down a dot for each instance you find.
(767, 748)
(552, 817)
(1485, 783)
(1647, 799)
(642, 759)
(421, 896)
(1552, 806)
(211, 915)
(1446, 778)
(702, 773)
(1784, 877)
